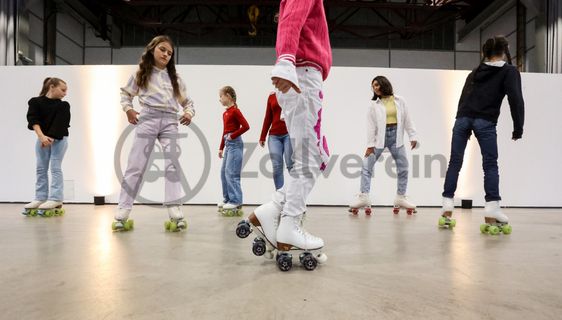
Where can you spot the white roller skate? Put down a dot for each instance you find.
(50, 208)
(177, 221)
(30, 209)
(402, 201)
(362, 200)
(495, 220)
(220, 205)
(446, 220)
(232, 210)
(264, 220)
(292, 236)
(122, 221)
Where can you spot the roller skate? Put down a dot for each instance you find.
(264, 220)
(122, 221)
(401, 201)
(361, 201)
(232, 210)
(176, 222)
(495, 220)
(446, 220)
(31, 208)
(175, 225)
(50, 208)
(292, 236)
(220, 206)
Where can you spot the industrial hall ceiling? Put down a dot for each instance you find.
(423, 24)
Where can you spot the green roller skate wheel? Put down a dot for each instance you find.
(49, 213)
(113, 226)
(493, 230)
(167, 225)
(173, 226)
(484, 228)
(33, 212)
(453, 223)
(506, 229)
(239, 213)
(128, 225)
(441, 221)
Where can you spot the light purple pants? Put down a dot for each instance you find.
(303, 116)
(152, 125)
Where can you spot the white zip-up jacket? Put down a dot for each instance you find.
(376, 124)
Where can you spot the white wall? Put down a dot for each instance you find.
(529, 169)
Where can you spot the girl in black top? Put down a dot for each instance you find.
(478, 112)
(49, 117)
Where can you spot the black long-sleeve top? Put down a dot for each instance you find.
(483, 93)
(52, 116)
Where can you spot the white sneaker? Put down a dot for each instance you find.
(402, 201)
(492, 210)
(448, 205)
(290, 235)
(266, 216)
(34, 204)
(361, 200)
(174, 212)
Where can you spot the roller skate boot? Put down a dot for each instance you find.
(31, 208)
(401, 201)
(291, 236)
(495, 220)
(122, 221)
(446, 220)
(361, 201)
(50, 208)
(177, 221)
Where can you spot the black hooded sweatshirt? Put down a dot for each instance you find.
(483, 93)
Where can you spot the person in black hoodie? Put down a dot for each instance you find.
(49, 117)
(478, 112)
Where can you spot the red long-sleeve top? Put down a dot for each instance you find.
(272, 121)
(233, 123)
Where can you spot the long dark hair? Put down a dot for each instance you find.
(146, 65)
(47, 83)
(385, 87)
(496, 46)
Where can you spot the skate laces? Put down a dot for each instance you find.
(306, 235)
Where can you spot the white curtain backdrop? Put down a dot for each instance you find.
(554, 37)
(8, 20)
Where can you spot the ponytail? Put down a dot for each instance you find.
(47, 83)
(496, 46)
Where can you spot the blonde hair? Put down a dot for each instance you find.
(228, 90)
(47, 83)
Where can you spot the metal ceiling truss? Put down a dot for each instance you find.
(227, 20)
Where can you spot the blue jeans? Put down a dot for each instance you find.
(53, 155)
(398, 154)
(230, 170)
(485, 132)
(279, 147)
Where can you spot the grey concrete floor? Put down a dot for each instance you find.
(379, 267)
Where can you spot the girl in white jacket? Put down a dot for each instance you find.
(387, 119)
